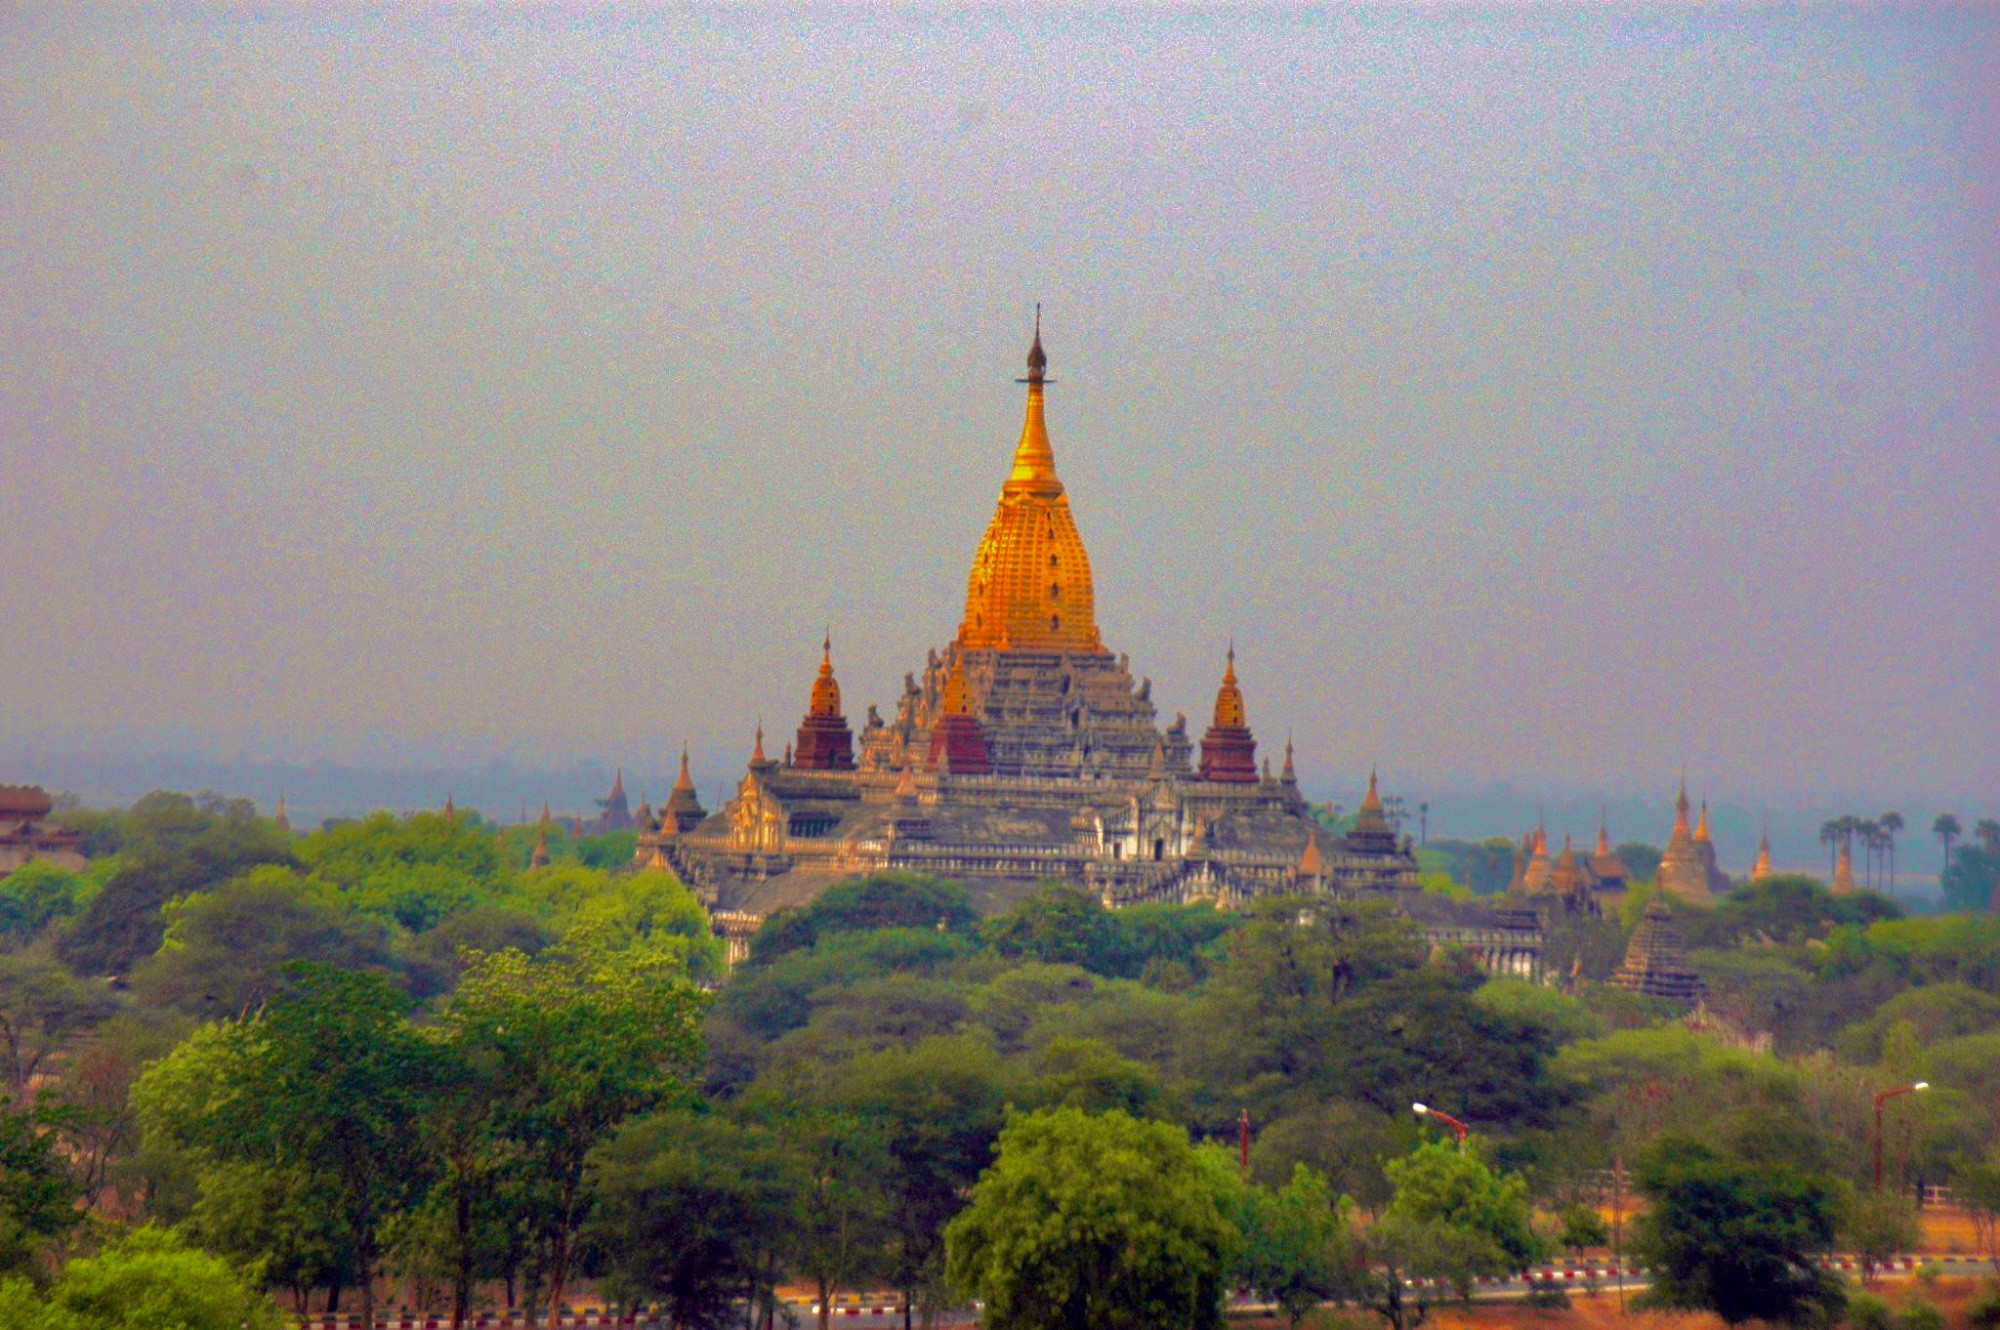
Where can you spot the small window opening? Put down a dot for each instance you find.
(1159, 850)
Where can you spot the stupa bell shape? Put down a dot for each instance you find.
(1030, 588)
(1682, 869)
(825, 743)
(1228, 749)
(1761, 870)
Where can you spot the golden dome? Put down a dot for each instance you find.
(1030, 587)
(825, 692)
(1229, 698)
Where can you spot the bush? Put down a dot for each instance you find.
(1983, 1312)
(1920, 1315)
(1547, 1295)
(1865, 1311)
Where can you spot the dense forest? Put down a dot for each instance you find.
(388, 1060)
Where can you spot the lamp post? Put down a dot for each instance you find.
(1426, 1111)
(1882, 1098)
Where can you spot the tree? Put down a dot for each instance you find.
(1878, 1225)
(937, 1107)
(282, 1220)
(35, 895)
(1977, 1186)
(1060, 924)
(1093, 1222)
(1947, 829)
(1441, 1183)
(865, 904)
(330, 1081)
(1298, 1245)
(37, 1189)
(1741, 1240)
(575, 1041)
(225, 951)
(1891, 824)
(691, 1210)
(173, 846)
(43, 1007)
(838, 1232)
(1091, 1075)
(1987, 831)
(146, 1280)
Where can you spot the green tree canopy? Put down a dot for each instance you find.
(865, 904)
(1061, 924)
(148, 1279)
(173, 846)
(1093, 1222)
(576, 1040)
(1741, 1240)
(225, 950)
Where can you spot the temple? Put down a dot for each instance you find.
(1656, 960)
(1687, 863)
(26, 834)
(1023, 750)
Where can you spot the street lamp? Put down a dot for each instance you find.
(1425, 1111)
(1880, 1099)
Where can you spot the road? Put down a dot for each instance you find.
(881, 1311)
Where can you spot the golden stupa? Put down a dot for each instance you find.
(1030, 588)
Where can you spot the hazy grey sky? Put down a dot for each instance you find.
(1552, 401)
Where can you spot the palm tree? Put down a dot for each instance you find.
(1891, 823)
(1867, 833)
(1947, 830)
(1830, 832)
(1988, 832)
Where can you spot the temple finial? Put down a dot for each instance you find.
(1038, 359)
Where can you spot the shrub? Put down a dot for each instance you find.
(1865, 1311)
(1920, 1315)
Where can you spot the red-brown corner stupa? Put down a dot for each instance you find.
(958, 743)
(1228, 749)
(825, 742)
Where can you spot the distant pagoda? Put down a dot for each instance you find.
(1656, 961)
(1683, 869)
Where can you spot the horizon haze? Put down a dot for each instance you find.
(1543, 404)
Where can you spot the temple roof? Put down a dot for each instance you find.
(1229, 710)
(1370, 817)
(1030, 586)
(825, 690)
(25, 801)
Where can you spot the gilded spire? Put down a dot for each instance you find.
(1701, 830)
(1371, 803)
(825, 690)
(1229, 710)
(1034, 470)
(683, 781)
(757, 757)
(281, 821)
(1289, 773)
(1762, 868)
(1030, 587)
